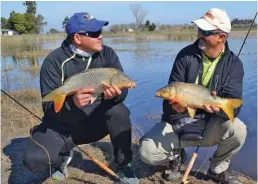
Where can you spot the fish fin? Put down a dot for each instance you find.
(59, 101)
(191, 111)
(58, 96)
(71, 93)
(106, 84)
(229, 106)
(93, 97)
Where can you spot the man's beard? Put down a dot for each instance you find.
(202, 45)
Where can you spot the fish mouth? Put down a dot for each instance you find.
(132, 85)
(157, 94)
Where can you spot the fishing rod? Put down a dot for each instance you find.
(100, 164)
(190, 165)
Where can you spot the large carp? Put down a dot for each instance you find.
(193, 96)
(92, 78)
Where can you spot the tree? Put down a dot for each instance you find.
(152, 27)
(65, 21)
(147, 24)
(30, 23)
(31, 7)
(40, 23)
(4, 23)
(139, 13)
(18, 23)
(53, 31)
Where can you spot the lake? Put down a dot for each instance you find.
(150, 64)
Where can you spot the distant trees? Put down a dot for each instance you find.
(25, 23)
(65, 21)
(242, 23)
(149, 26)
(53, 31)
(122, 27)
(115, 28)
(4, 23)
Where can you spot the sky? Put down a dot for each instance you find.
(118, 12)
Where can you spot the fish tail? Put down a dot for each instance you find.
(58, 96)
(229, 106)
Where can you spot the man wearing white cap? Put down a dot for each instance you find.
(208, 62)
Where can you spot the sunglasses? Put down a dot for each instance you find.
(91, 34)
(209, 33)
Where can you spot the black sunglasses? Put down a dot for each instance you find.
(91, 34)
(208, 33)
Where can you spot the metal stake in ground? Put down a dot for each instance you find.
(100, 164)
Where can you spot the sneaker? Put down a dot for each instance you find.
(62, 172)
(126, 173)
(173, 171)
(225, 177)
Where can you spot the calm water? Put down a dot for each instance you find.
(149, 64)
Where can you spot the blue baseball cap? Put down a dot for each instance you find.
(83, 21)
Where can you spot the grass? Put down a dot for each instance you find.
(16, 44)
(34, 53)
(15, 119)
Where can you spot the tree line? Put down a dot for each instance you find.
(30, 23)
(25, 23)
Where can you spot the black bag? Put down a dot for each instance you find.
(190, 129)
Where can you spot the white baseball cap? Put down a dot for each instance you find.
(214, 19)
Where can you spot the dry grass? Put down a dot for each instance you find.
(33, 54)
(14, 117)
(31, 43)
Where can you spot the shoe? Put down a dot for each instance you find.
(225, 177)
(62, 172)
(173, 171)
(126, 173)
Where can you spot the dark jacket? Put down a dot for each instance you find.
(50, 79)
(188, 65)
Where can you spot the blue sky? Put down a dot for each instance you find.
(118, 12)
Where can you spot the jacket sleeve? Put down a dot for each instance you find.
(114, 62)
(50, 79)
(234, 87)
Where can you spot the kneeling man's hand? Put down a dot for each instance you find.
(110, 92)
(211, 108)
(177, 107)
(83, 97)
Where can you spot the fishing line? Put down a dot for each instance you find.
(138, 128)
(101, 165)
(49, 162)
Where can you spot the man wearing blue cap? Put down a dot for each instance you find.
(79, 120)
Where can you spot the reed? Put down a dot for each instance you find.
(26, 43)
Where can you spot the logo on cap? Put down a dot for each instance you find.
(208, 14)
(88, 17)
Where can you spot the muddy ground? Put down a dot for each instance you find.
(15, 125)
